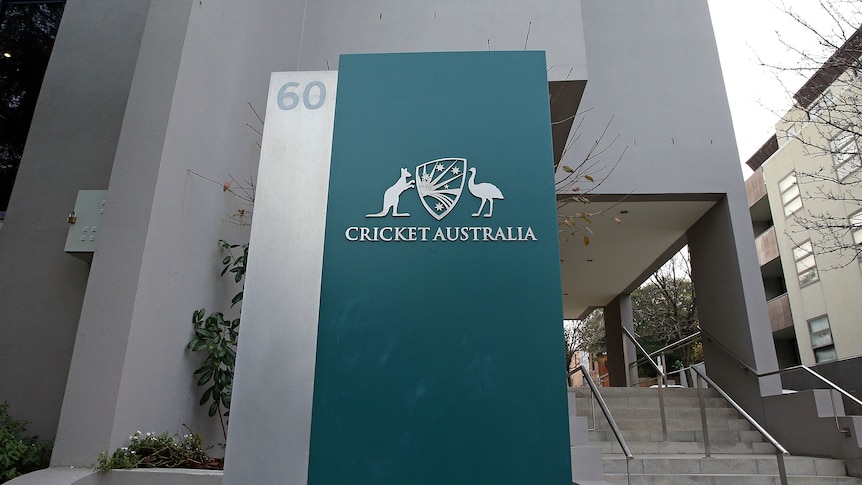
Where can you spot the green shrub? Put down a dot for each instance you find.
(19, 454)
(159, 451)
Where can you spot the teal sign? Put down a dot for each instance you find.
(440, 356)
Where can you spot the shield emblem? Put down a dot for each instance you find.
(439, 183)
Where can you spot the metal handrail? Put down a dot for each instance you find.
(780, 451)
(607, 412)
(634, 340)
(804, 367)
(782, 371)
(679, 343)
(661, 380)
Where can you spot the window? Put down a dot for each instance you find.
(821, 339)
(805, 267)
(845, 154)
(822, 109)
(790, 197)
(856, 228)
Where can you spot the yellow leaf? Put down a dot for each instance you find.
(589, 229)
(567, 168)
(617, 220)
(586, 241)
(226, 186)
(567, 222)
(589, 178)
(587, 219)
(576, 189)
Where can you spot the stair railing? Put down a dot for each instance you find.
(608, 416)
(659, 355)
(803, 367)
(662, 379)
(780, 451)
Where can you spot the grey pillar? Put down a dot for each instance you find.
(621, 352)
(71, 145)
(731, 303)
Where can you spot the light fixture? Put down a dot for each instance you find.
(7, 55)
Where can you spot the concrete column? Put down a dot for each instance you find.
(621, 352)
(71, 145)
(731, 303)
(100, 363)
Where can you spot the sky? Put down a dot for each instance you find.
(745, 32)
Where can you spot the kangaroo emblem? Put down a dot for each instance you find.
(393, 194)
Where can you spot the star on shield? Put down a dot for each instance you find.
(439, 184)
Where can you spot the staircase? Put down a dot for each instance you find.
(740, 456)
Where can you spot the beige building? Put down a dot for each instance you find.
(805, 206)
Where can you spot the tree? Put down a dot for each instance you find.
(664, 311)
(581, 180)
(826, 120)
(664, 307)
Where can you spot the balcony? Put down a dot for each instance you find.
(755, 187)
(767, 246)
(779, 313)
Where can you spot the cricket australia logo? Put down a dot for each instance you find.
(439, 184)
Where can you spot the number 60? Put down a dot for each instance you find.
(288, 100)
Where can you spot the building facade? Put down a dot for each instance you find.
(150, 102)
(804, 201)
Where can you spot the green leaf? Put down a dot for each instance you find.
(226, 260)
(206, 397)
(205, 378)
(213, 409)
(567, 169)
(236, 299)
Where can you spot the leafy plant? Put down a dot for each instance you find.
(159, 451)
(217, 338)
(19, 454)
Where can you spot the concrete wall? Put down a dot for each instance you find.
(70, 147)
(143, 476)
(667, 104)
(669, 109)
(805, 423)
(158, 260)
(333, 27)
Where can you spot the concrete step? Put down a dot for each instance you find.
(727, 479)
(645, 402)
(725, 470)
(620, 392)
(674, 424)
(585, 409)
(685, 448)
(739, 454)
(725, 464)
(715, 436)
